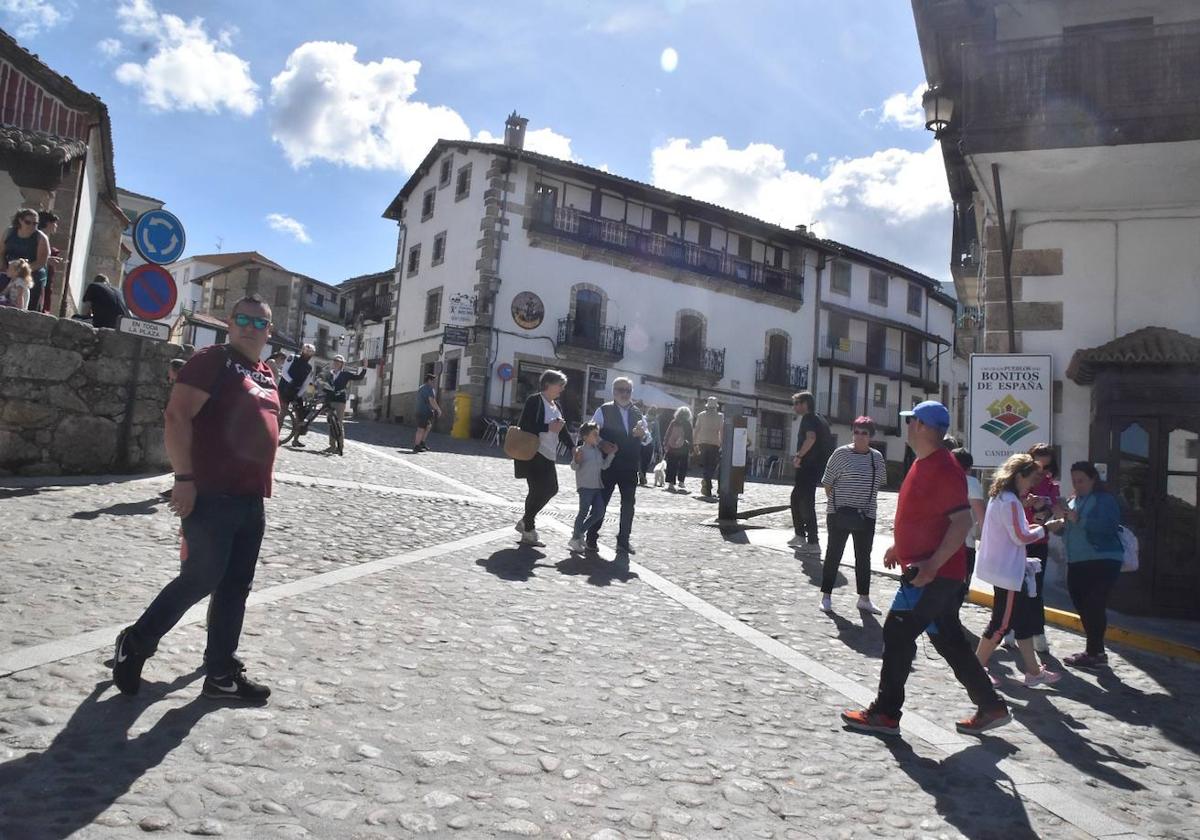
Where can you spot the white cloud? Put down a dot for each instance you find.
(893, 203)
(327, 105)
(189, 70)
(904, 109)
(545, 141)
(109, 47)
(286, 224)
(28, 18)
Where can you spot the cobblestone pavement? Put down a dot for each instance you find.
(493, 691)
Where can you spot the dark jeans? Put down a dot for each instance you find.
(591, 510)
(710, 459)
(804, 508)
(647, 462)
(1040, 551)
(627, 481)
(223, 536)
(543, 486)
(1089, 583)
(966, 587)
(35, 293)
(677, 466)
(863, 540)
(912, 613)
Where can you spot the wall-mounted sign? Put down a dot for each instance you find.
(1011, 406)
(458, 336)
(528, 311)
(505, 372)
(145, 329)
(462, 310)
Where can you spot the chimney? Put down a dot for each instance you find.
(802, 230)
(514, 131)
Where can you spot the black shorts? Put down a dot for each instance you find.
(288, 392)
(424, 421)
(1014, 611)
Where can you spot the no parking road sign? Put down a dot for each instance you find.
(158, 237)
(149, 292)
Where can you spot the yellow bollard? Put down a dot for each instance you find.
(462, 417)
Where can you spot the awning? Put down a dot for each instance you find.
(649, 394)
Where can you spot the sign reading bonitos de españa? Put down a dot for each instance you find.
(1011, 405)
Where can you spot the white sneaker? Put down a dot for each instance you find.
(1010, 640)
(826, 604)
(865, 605)
(1042, 677)
(1040, 644)
(797, 542)
(576, 545)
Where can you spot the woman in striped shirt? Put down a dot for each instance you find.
(852, 479)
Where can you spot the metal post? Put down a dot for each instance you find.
(733, 468)
(1006, 248)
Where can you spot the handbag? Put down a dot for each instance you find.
(520, 445)
(853, 519)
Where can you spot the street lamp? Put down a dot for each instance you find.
(939, 109)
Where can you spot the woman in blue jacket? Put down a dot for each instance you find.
(1094, 554)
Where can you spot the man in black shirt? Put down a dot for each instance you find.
(103, 303)
(812, 451)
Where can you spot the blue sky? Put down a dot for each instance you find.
(288, 127)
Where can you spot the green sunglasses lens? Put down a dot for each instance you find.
(247, 320)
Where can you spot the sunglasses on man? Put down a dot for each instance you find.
(243, 320)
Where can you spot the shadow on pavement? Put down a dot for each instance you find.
(964, 791)
(18, 492)
(513, 564)
(865, 639)
(92, 762)
(146, 507)
(600, 572)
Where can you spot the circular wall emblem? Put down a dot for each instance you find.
(528, 311)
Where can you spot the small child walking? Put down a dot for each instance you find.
(588, 463)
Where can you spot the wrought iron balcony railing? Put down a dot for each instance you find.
(701, 360)
(783, 375)
(589, 335)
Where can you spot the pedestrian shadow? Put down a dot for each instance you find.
(146, 507)
(970, 792)
(599, 572)
(1062, 732)
(513, 564)
(18, 492)
(91, 763)
(865, 639)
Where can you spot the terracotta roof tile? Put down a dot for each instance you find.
(40, 144)
(1147, 347)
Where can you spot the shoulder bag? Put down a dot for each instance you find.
(853, 519)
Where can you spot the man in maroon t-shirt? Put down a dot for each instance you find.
(222, 430)
(932, 520)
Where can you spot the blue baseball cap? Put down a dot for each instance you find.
(931, 413)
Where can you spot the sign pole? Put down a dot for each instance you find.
(733, 469)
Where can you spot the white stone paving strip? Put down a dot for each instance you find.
(1084, 816)
(20, 659)
(437, 476)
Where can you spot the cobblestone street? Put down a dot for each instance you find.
(431, 678)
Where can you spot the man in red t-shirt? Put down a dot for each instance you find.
(222, 431)
(933, 517)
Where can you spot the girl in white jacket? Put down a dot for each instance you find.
(1001, 561)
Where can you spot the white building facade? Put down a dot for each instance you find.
(599, 276)
(1074, 144)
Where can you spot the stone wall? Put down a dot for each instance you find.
(78, 400)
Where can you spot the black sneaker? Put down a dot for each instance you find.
(127, 664)
(298, 444)
(625, 548)
(592, 544)
(235, 686)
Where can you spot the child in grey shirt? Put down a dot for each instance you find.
(588, 463)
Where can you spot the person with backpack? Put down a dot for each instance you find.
(813, 447)
(678, 445)
(1094, 555)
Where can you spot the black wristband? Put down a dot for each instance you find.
(184, 477)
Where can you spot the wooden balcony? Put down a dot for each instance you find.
(1119, 85)
(668, 250)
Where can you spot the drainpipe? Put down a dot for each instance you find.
(1006, 249)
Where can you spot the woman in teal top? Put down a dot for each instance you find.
(1094, 554)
